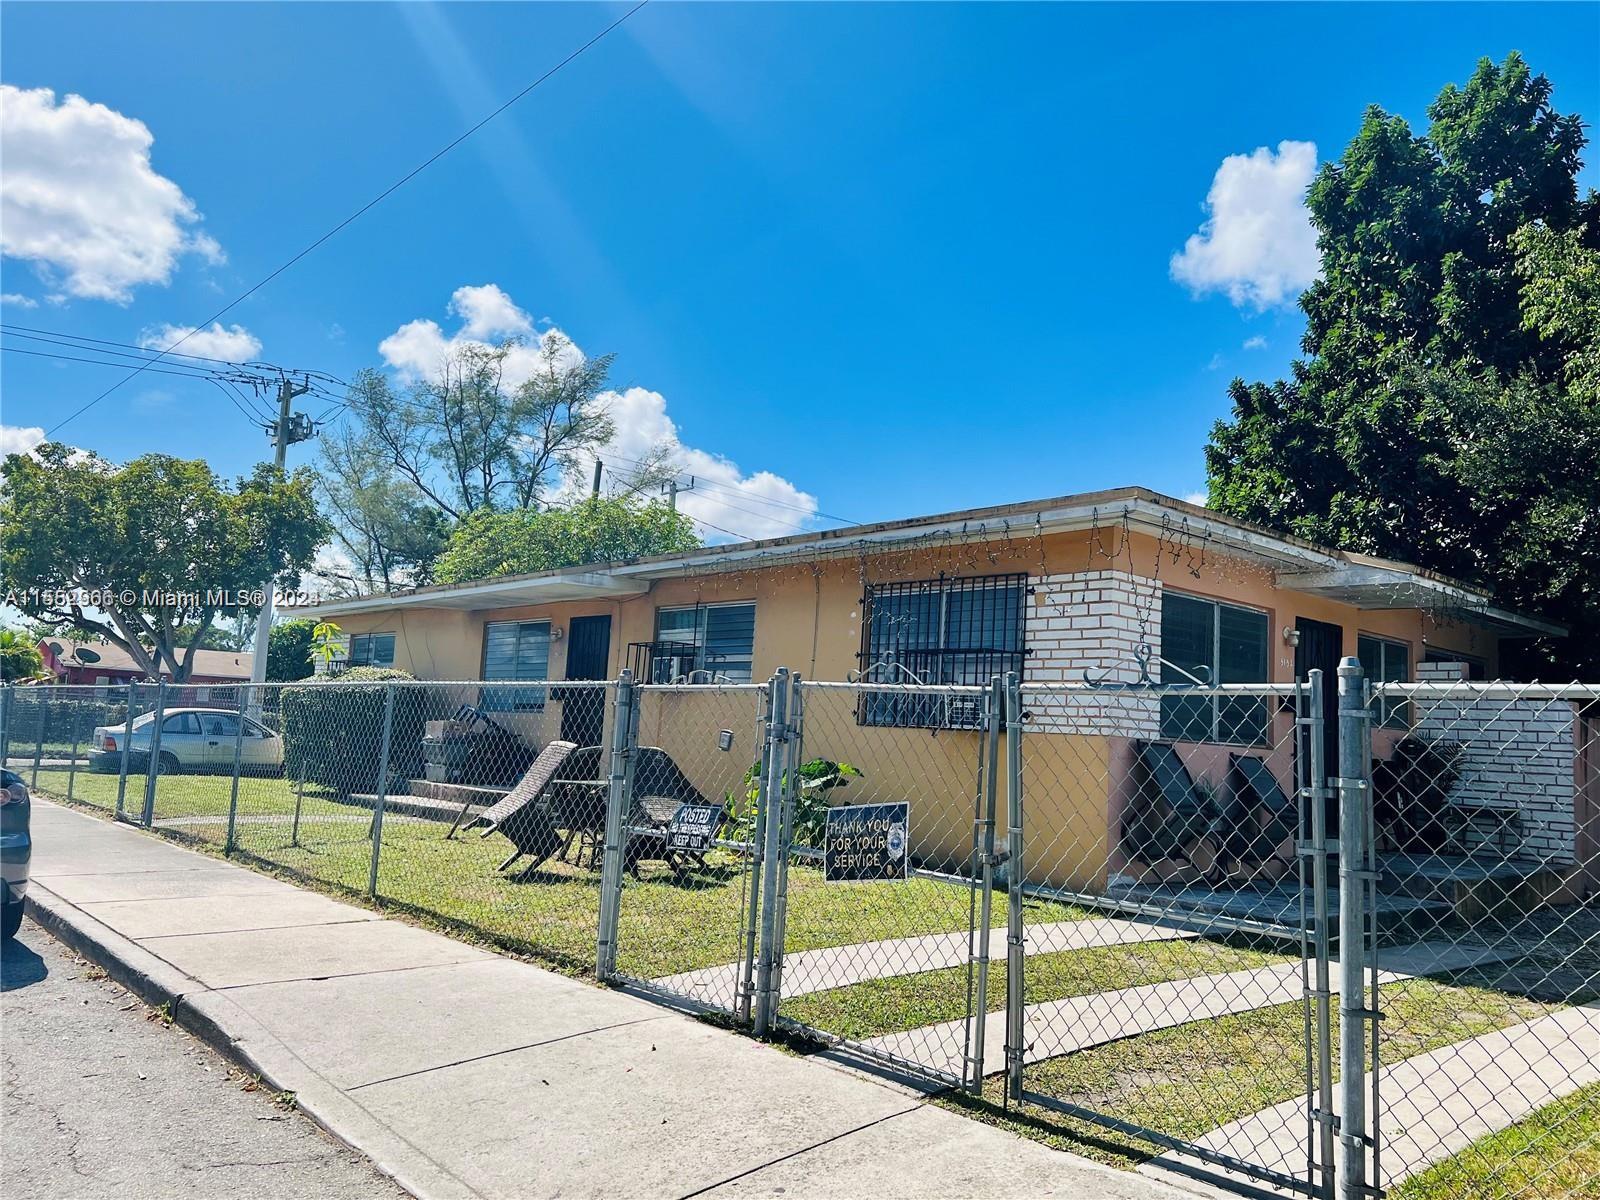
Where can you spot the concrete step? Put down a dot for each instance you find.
(425, 807)
(456, 793)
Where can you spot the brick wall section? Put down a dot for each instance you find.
(1517, 753)
(1090, 621)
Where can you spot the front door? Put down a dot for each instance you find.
(1320, 647)
(583, 710)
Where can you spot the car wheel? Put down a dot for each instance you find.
(11, 921)
(168, 765)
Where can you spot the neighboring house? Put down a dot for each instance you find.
(102, 665)
(1050, 589)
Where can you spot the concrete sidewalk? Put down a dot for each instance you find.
(462, 1073)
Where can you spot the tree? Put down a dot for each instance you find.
(467, 440)
(19, 656)
(388, 530)
(289, 650)
(151, 554)
(1444, 411)
(488, 544)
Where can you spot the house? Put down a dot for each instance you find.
(1052, 589)
(101, 665)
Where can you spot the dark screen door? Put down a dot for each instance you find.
(583, 710)
(1321, 646)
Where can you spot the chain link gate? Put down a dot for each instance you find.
(1201, 920)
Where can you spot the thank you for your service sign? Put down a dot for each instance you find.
(866, 841)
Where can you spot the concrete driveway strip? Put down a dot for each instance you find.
(463, 1073)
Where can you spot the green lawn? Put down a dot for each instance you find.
(1553, 1152)
(1191, 1079)
(881, 1006)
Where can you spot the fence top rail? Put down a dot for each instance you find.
(1085, 689)
(1463, 690)
(862, 687)
(701, 688)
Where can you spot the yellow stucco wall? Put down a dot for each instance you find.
(808, 618)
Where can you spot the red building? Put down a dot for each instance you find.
(100, 664)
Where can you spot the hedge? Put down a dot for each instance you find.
(333, 729)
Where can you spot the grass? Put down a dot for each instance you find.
(1552, 1152)
(1190, 1079)
(881, 1006)
(668, 924)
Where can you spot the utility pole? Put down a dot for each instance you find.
(672, 488)
(599, 467)
(288, 429)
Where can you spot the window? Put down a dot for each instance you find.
(1219, 643)
(716, 638)
(1384, 661)
(961, 631)
(515, 650)
(221, 724)
(371, 650)
(180, 723)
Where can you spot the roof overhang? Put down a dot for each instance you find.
(1372, 586)
(498, 593)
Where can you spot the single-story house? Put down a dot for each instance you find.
(102, 665)
(1050, 589)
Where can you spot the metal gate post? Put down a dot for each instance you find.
(1015, 937)
(771, 816)
(72, 759)
(127, 739)
(1354, 799)
(233, 792)
(6, 691)
(624, 726)
(1315, 798)
(795, 756)
(983, 863)
(750, 934)
(153, 766)
(42, 708)
(379, 800)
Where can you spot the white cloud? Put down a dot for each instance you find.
(80, 199)
(1199, 498)
(1255, 343)
(235, 343)
(1257, 243)
(19, 439)
(19, 300)
(757, 505)
(418, 348)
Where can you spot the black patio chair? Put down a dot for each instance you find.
(1258, 818)
(1169, 817)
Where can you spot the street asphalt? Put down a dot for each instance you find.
(104, 1099)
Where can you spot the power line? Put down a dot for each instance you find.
(53, 334)
(378, 199)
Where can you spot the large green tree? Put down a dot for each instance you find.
(1445, 411)
(488, 544)
(149, 555)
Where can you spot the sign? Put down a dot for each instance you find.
(865, 842)
(693, 827)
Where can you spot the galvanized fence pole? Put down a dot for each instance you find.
(41, 709)
(6, 691)
(983, 863)
(383, 789)
(229, 841)
(750, 934)
(127, 741)
(1354, 798)
(786, 813)
(72, 758)
(771, 806)
(152, 768)
(1015, 936)
(1314, 797)
(624, 729)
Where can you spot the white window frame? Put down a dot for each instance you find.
(698, 641)
(1392, 712)
(1215, 703)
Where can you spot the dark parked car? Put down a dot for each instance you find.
(16, 848)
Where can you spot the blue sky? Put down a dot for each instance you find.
(905, 258)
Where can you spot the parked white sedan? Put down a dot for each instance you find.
(192, 739)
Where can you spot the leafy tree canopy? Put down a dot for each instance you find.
(151, 554)
(289, 650)
(1446, 409)
(19, 656)
(487, 544)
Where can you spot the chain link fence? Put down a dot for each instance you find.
(1151, 921)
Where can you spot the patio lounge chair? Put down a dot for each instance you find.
(1258, 823)
(524, 814)
(1168, 826)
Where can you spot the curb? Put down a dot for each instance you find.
(216, 1020)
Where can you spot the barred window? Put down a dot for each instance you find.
(939, 631)
(1220, 643)
(1384, 661)
(717, 639)
(515, 650)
